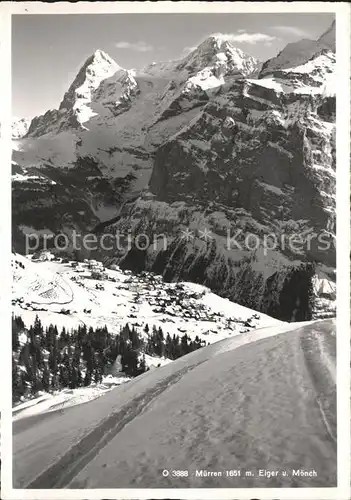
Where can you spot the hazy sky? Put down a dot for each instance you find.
(48, 50)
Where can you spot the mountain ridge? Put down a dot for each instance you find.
(206, 50)
(297, 53)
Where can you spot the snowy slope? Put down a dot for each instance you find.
(316, 76)
(19, 127)
(47, 402)
(62, 295)
(248, 403)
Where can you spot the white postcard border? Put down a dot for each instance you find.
(342, 11)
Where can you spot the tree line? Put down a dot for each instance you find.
(46, 359)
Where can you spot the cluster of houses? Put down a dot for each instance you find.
(169, 299)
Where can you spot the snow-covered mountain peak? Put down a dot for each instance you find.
(220, 42)
(218, 52)
(96, 68)
(207, 65)
(216, 42)
(100, 55)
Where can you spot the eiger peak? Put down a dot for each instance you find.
(96, 68)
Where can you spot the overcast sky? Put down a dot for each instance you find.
(48, 50)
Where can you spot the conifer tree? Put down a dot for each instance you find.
(142, 365)
(87, 379)
(15, 336)
(45, 379)
(18, 386)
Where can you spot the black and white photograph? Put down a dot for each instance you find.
(173, 239)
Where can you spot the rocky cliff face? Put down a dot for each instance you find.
(199, 150)
(266, 146)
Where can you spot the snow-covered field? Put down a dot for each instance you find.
(58, 400)
(248, 403)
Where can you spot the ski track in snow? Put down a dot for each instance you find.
(323, 374)
(81, 454)
(265, 404)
